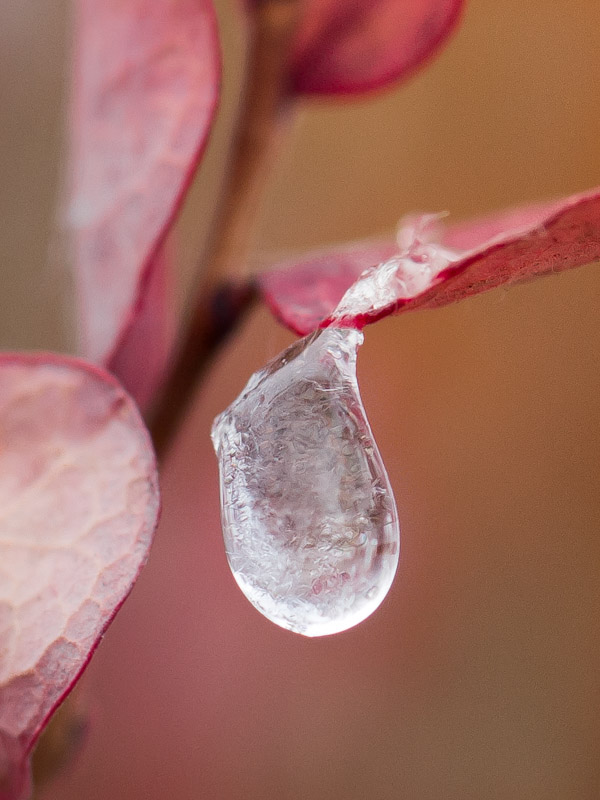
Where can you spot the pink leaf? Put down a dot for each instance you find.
(357, 45)
(512, 247)
(145, 93)
(143, 352)
(78, 506)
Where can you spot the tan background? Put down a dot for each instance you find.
(479, 677)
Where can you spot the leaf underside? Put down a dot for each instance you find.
(470, 258)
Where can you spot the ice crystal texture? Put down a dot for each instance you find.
(309, 518)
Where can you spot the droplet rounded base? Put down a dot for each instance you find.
(309, 519)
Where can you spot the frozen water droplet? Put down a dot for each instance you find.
(309, 519)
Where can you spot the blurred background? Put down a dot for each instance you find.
(479, 677)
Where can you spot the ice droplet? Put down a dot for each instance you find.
(309, 518)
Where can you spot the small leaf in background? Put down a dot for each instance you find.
(78, 507)
(359, 45)
(511, 247)
(145, 94)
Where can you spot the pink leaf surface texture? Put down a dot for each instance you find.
(78, 507)
(429, 266)
(360, 45)
(145, 93)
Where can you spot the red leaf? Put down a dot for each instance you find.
(78, 506)
(143, 352)
(359, 45)
(514, 246)
(145, 94)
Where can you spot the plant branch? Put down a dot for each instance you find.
(223, 290)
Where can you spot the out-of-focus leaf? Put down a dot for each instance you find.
(358, 45)
(512, 247)
(141, 358)
(145, 93)
(78, 507)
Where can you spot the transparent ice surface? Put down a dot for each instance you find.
(309, 518)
